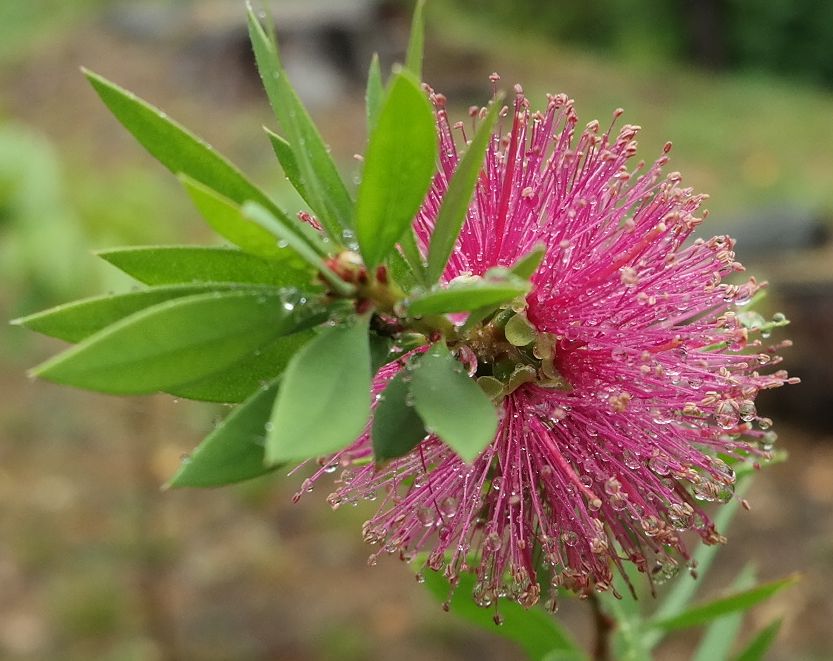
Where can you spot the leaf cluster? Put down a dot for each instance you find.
(292, 319)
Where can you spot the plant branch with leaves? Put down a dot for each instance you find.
(504, 330)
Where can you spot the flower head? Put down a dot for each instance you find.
(627, 395)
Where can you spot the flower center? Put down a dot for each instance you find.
(505, 351)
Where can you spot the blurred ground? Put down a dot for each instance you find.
(96, 562)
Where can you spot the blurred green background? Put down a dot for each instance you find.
(97, 562)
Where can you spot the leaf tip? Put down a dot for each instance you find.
(272, 457)
(95, 79)
(381, 462)
(38, 371)
(105, 253)
(273, 454)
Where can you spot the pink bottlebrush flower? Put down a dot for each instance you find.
(652, 376)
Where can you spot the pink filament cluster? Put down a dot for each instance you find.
(663, 373)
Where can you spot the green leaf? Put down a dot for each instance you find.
(240, 380)
(168, 265)
(451, 404)
(233, 452)
(413, 257)
(225, 217)
(286, 234)
(322, 186)
(397, 427)
(174, 146)
(174, 342)
(476, 316)
(416, 41)
(526, 266)
(401, 271)
(374, 94)
(535, 631)
(456, 201)
(721, 633)
(286, 157)
(324, 401)
(380, 353)
(467, 295)
(735, 602)
(398, 166)
(760, 644)
(75, 321)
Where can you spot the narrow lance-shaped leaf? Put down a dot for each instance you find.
(412, 256)
(174, 342)
(238, 381)
(285, 234)
(476, 316)
(416, 41)
(720, 635)
(323, 186)
(233, 452)
(456, 201)
(526, 266)
(75, 321)
(739, 601)
(286, 157)
(398, 166)
(380, 351)
(324, 402)
(168, 265)
(760, 644)
(451, 404)
(401, 271)
(397, 427)
(174, 146)
(226, 218)
(535, 631)
(467, 295)
(374, 94)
